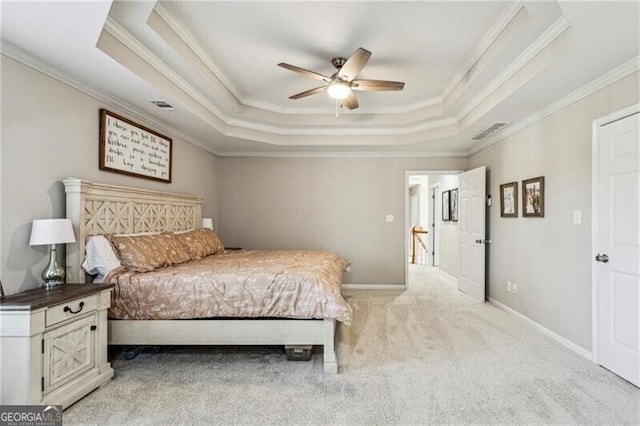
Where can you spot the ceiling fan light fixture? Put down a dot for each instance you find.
(338, 90)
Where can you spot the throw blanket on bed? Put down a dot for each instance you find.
(281, 284)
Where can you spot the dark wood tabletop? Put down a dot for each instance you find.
(41, 297)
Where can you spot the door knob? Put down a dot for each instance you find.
(483, 241)
(602, 258)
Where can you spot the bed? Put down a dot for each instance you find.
(100, 209)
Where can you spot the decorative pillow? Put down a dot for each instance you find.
(144, 253)
(174, 249)
(201, 243)
(100, 258)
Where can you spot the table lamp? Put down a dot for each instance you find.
(52, 232)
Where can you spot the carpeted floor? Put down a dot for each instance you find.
(429, 355)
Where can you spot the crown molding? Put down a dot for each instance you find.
(246, 128)
(13, 52)
(340, 154)
(600, 83)
(487, 41)
(130, 42)
(397, 131)
(190, 41)
(534, 49)
(123, 36)
(427, 103)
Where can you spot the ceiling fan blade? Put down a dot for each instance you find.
(302, 71)
(308, 92)
(351, 102)
(376, 85)
(354, 64)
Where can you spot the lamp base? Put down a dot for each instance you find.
(53, 274)
(51, 284)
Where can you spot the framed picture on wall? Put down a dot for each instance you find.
(445, 206)
(453, 204)
(131, 149)
(533, 197)
(509, 199)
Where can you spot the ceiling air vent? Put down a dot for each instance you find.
(486, 132)
(161, 104)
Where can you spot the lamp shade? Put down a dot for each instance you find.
(51, 231)
(207, 222)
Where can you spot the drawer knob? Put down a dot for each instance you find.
(68, 309)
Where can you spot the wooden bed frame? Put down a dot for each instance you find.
(96, 209)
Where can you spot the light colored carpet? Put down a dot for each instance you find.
(429, 355)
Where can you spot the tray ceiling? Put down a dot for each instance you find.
(466, 65)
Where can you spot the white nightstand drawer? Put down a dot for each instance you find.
(71, 309)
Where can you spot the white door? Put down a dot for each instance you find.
(471, 230)
(618, 238)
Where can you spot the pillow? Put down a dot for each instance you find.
(100, 258)
(144, 253)
(176, 251)
(201, 242)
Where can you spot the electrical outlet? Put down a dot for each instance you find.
(514, 288)
(509, 286)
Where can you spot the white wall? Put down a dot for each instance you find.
(550, 258)
(425, 202)
(49, 132)
(337, 204)
(449, 240)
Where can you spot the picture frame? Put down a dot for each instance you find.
(533, 197)
(453, 204)
(129, 148)
(509, 199)
(445, 206)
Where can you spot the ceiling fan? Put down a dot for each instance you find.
(341, 84)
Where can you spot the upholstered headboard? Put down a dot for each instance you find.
(97, 208)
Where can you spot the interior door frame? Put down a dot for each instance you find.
(407, 212)
(436, 212)
(595, 160)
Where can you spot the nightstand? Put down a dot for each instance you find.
(54, 344)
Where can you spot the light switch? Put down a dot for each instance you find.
(577, 217)
(389, 218)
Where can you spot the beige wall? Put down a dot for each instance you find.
(49, 132)
(550, 258)
(337, 204)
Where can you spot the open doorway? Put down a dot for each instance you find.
(431, 233)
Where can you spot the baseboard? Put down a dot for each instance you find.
(398, 287)
(563, 341)
(452, 278)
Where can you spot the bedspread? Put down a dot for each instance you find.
(246, 283)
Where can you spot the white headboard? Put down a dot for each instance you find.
(97, 208)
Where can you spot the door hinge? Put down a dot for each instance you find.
(93, 327)
(42, 346)
(42, 383)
